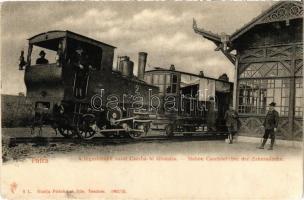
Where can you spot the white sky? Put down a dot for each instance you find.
(162, 29)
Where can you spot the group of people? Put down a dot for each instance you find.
(270, 125)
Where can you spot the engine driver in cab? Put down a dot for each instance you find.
(42, 60)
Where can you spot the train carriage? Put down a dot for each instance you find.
(200, 102)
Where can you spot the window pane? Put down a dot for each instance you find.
(299, 82)
(299, 92)
(285, 92)
(263, 84)
(155, 79)
(285, 102)
(148, 79)
(174, 88)
(270, 84)
(168, 89)
(161, 79)
(168, 79)
(185, 78)
(299, 98)
(270, 92)
(278, 83)
(174, 79)
(282, 71)
(161, 88)
(277, 96)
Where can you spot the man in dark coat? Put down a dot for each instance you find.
(231, 118)
(211, 115)
(81, 65)
(270, 124)
(42, 60)
(58, 111)
(22, 62)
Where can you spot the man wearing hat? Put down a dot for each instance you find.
(42, 60)
(211, 115)
(270, 124)
(231, 118)
(81, 66)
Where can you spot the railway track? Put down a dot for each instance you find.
(44, 141)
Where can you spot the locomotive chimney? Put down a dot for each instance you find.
(142, 60)
(120, 61)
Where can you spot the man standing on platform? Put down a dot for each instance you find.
(270, 125)
(231, 118)
(211, 115)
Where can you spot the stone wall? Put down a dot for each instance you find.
(16, 111)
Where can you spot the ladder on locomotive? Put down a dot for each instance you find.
(76, 113)
(77, 88)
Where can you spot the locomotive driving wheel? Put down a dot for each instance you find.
(84, 128)
(135, 134)
(65, 132)
(62, 126)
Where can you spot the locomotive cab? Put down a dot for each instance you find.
(43, 80)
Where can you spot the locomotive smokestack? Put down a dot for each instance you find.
(142, 60)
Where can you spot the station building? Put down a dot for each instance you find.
(267, 54)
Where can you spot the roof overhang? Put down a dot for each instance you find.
(47, 39)
(207, 34)
(222, 42)
(281, 11)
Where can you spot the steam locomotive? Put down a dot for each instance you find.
(79, 93)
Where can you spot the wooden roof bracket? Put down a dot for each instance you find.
(222, 42)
